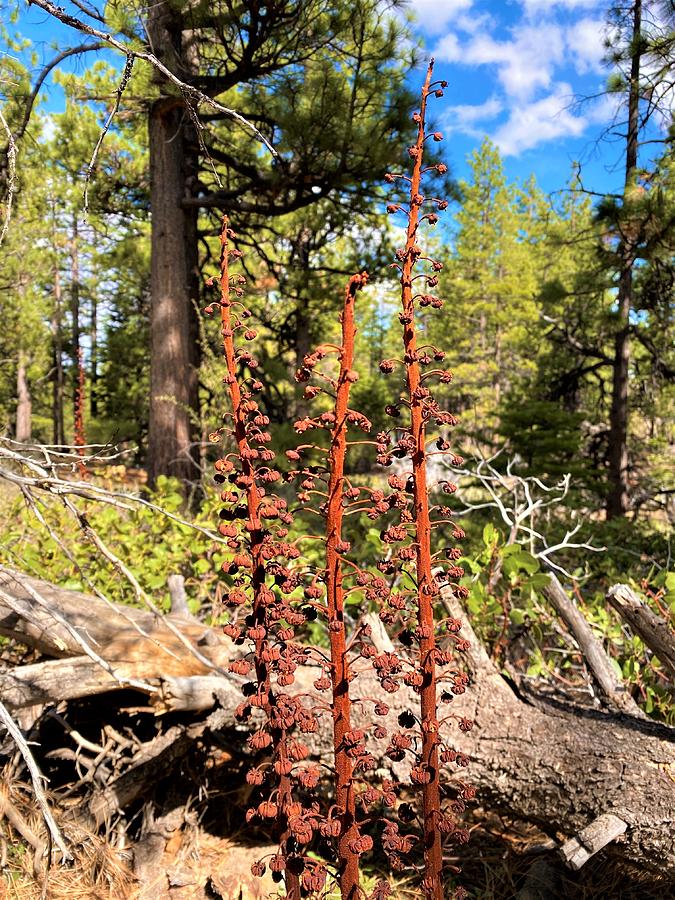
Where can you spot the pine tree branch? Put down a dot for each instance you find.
(190, 93)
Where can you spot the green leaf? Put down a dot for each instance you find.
(617, 668)
(510, 549)
(490, 535)
(539, 580)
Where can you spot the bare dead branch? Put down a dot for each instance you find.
(36, 779)
(519, 499)
(611, 687)
(11, 176)
(646, 624)
(124, 81)
(191, 93)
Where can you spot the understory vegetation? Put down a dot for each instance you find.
(406, 404)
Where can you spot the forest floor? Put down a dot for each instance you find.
(199, 864)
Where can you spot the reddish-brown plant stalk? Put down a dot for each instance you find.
(259, 627)
(426, 585)
(348, 859)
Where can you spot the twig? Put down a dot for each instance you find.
(75, 735)
(33, 506)
(141, 595)
(611, 687)
(124, 81)
(11, 175)
(513, 496)
(47, 480)
(36, 777)
(191, 93)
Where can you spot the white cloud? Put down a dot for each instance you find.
(466, 117)
(48, 123)
(549, 5)
(586, 44)
(434, 15)
(448, 49)
(555, 42)
(543, 120)
(525, 63)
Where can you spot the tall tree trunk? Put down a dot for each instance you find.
(75, 302)
(617, 496)
(59, 437)
(174, 294)
(93, 358)
(24, 406)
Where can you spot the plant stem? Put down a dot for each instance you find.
(255, 532)
(348, 860)
(431, 798)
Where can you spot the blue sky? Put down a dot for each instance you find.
(517, 70)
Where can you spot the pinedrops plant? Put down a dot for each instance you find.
(417, 517)
(274, 592)
(256, 521)
(348, 747)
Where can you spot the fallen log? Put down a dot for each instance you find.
(612, 689)
(646, 624)
(559, 766)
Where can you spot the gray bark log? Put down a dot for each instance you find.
(646, 624)
(577, 851)
(611, 687)
(558, 766)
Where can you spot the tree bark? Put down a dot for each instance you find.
(24, 406)
(617, 496)
(59, 436)
(174, 280)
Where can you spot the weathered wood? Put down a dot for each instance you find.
(54, 681)
(564, 767)
(31, 624)
(645, 623)
(177, 595)
(611, 687)
(196, 693)
(155, 760)
(122, 634)
(558, 766)
(605, 829)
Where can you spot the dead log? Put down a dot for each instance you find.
(23, 620)
(54, 681)
(612, 689)
(562, 767)
(577, 851)
(122, 634)
(556, 765)
(646, 624)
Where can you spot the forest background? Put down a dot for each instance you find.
(562, 367)
(123, 144)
